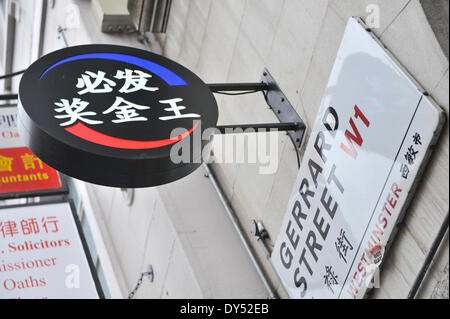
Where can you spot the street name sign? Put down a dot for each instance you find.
(372, 138)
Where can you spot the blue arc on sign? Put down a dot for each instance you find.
(164, 73)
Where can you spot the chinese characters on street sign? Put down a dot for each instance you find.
(372, 137)
(21, 172)
(115, 115)
(42, 254)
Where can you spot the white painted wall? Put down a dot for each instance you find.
(297, 40)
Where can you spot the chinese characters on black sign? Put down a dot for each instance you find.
(115, 115)
(125, 111)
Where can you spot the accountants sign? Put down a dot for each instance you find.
(370, 142)
(21, 172)
(114, 115)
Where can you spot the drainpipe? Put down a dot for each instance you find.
(429, 259)
(10, 21)
(235, 222)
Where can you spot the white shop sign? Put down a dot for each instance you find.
(42, 254)
(9, 135)
(371, 138)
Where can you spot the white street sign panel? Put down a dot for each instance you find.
(370, 141)
(42, 255)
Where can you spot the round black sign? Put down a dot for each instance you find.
(115, 116)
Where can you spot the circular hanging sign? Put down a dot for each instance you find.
(115, 116)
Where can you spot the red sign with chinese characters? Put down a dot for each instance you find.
(22, 171)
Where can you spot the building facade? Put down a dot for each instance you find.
(198, 247)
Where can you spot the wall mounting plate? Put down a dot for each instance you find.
(150, 273)
(282, 108)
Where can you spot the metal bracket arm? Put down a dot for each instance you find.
(277, 101)
(229, 87)
(4, 97)
(245, 128)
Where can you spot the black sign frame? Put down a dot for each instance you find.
(62, 191)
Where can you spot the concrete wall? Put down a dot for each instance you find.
(233, 40)
(181, 229)
(437, 12)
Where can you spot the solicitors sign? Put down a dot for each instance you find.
(43, 254)
(21, 172)
(370, 141)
